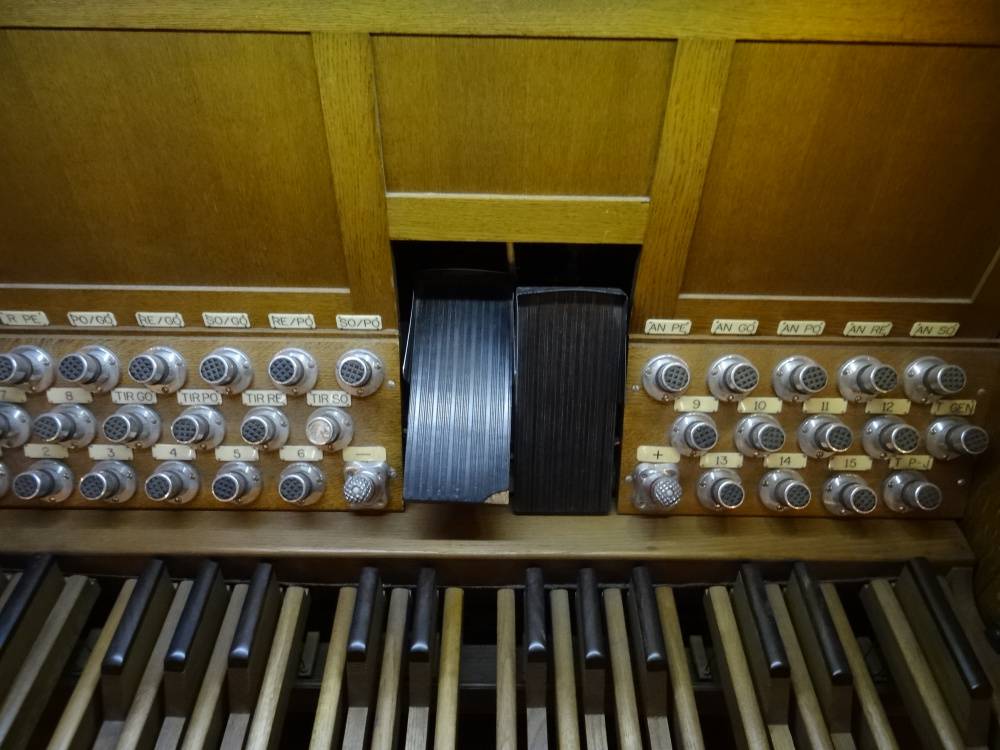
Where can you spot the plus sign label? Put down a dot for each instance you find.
(657, 454)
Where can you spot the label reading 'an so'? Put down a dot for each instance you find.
(159, 319)
(933, 330)
(198, 396)
(657, 454)
(28, 318)
(359, 322)
(92, 319)
(328, 398)
(801, 327)
(734, 327)
(69, 396)
(696, 403)
(667, 327)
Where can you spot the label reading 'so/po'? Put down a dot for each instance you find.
(359, 322)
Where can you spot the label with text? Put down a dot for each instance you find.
(888, 406)
(236, 453)
(824, 406)
(926, 330)
(42, 450)
(734, 327)
(23, 318)
(667, 327)
(264, 398)
(160, 319)
(657, 454)
(957, 407)
(364, 453)
(850, 463)
(300, 453)
(328, 398)
(785, 461)
(721, 460)
(867, 328)
(760, 405)
(109, 453)
(170, 452)
(696, 403)
(132, 396)
(12, 395)
(359, 322)
(291, 320)
(198, 396)
(913, 463)
(225, 319)
(69, 396)
(92, 319)
(801, 327)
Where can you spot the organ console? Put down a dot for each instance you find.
(437, 374)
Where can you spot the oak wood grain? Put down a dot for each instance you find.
(699, 75)
(325, 724)
(344, 69)
(516, 218)
(446, 719)
(506, 724)
(520, 116)
(887, 20)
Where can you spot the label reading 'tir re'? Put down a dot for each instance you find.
(159, 319)
(92, 319)
(197, 396)
(264, 398)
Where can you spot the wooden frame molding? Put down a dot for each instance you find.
(516, 218)
(346, 73)
(917, 21)
(701, 67)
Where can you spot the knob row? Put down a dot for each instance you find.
(163, 369)
(176, 482)
(667, 376)
(657, 486)
(823, 435)
(328, 427)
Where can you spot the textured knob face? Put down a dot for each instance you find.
(859, 498)
(923, 495)
(808, 379)
(34, 484)
(741, 378)
(257, 430)
(295, 488)
(878, 379)
(355, 371)
(80, 368)
(228, 487)
(217, 369)
(121, 428)
(969, 440)
(899, 438)
(701, 436)
(793, 493)
(55, 427)
(359, 489)
(945, 380)
(673, 377)
(666, 492)
(99, 485)
(285, 370)
(767, 437)
(148, 369)
(14, 369)
(728, 493)
(164, 485)
(189, 428)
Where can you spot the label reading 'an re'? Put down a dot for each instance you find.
(867, 328)
(667, 327)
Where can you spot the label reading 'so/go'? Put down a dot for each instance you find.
(225, 319)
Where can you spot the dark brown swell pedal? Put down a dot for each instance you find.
(568, 395)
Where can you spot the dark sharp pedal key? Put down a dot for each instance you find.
(649, 656)
(363, 658)
(205, 601)
(252, 641)
(366, 606)
(535, 646)
(955, 666)
(750, 582)
(424, 629)
(824, 653)
(24, 613)
(589, 620)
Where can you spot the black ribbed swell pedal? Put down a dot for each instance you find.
(568, 394)
(459, 363)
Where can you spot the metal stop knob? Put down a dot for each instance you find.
(849, 493)
(720, 489)
(904, 491)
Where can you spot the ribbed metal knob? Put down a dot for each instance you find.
(666, 491)
(358, 489)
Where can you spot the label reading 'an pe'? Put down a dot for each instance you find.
(159, 319)
(328, 398)
(23, 318)
(225, 319)
(801, 327)
(667, 327)
(867, 328)
(132, 396)
(92, 319)
(734, 327)
(291, 320)
(359, 322)
(657, 454)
